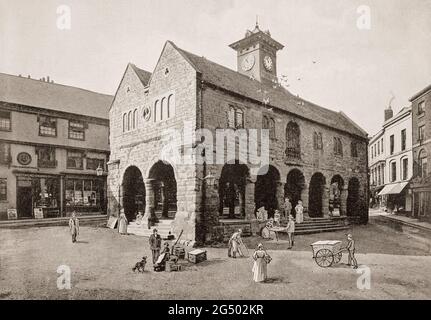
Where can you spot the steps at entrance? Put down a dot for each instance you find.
(163, 228)
(318, 225)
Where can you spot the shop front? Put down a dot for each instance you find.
(85, 195)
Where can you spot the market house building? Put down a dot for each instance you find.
(53, 138)
(315, 154)
(421, 140)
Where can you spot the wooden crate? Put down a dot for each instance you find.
(179, 252)
(197, 256)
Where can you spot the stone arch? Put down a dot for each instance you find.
(133, 192)
(353, 197)
(316, 195)
(295, 184)
(232, 183)
(265, 192)
(163, 185)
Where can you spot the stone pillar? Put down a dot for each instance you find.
(150, 214)
(304, 198)
(343, 201)
(249, 199)
(325, 201)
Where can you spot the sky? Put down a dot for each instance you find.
(357, 70)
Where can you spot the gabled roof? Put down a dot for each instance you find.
(280, 98)
(142, 74)
(417, 95)
(53, 96)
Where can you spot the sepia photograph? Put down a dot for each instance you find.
(206, 151)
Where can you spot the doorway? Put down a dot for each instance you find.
(24, 202)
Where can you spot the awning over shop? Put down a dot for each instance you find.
(394, 188)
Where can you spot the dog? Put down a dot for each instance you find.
(140, 265)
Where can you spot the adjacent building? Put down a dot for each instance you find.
(54, 146)
(421, 139)
(316, 155)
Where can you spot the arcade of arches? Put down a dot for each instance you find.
(239, 196)
(155, 195)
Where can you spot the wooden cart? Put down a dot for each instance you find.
(326, 252)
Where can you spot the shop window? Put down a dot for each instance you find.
(5, 157)
(46, 157)
(5, 120)
(83, 193)
(75, 159)
(47, 126)
(76, 130)
(93, 164)
(45, 192)
(3, 189)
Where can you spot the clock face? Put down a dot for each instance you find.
(248, 63)
(267, 63)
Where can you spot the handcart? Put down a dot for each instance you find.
(327, 252)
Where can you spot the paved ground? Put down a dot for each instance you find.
(399, 262)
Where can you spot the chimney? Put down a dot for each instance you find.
(47, 79)
(28, 77)
(388, 113)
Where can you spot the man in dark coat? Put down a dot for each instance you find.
(155, 245)
(351, 249)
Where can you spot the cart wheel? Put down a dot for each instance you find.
(324, 258)
(337, 257)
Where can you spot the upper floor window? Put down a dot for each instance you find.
(235, 118)
(135, 118)
(93, 164)
(372, 149)
(5, 157)
(393, 171)
(317, 141)
(171, 106)
(46, 157)
(76, 130)
(47, 126)
(124, 122)
(75, 159)
(354, 149)
(421, 107)
(422, 164)
(403, 139)
(421, 133)
(405, 168)
(130, 120)
(3, 189)
(293, 148)
(164, 108)
(378, 147)
(5, 121)
(338, 147)
(392, 143)
(381, 145)
(269, 123)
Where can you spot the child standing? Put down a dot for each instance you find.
(74, 226)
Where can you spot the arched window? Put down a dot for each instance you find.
(163, 110)
(129, 121)
(156, 111)
(135, 118)
(265, 122)
(171, 106)
(239, 118)
(354, 149)
(293, 148)
(317, 141)
(272, 128)
(124, 122)
(338, 146)
(231, 117)
(422, 164)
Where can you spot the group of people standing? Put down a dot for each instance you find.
(299, 210)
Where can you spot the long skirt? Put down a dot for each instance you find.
(122, 226)
(299, 218)
(259, 270)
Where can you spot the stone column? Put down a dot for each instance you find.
(343, 201)
(150, 214)
(249, 199)
(304, 198)
(325, 201)
(280, 196)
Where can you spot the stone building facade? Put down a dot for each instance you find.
(52, 140)
(421, 140)
(315, 155)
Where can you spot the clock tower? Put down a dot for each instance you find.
(257, 55)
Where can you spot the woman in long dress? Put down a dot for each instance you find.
(122, 223)
(299, 209)
(261, 259)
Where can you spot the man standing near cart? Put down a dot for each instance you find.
(155, 245)
(351, 249)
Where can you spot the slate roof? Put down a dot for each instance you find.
(143, 75)
(279, 97)
(53, 96)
